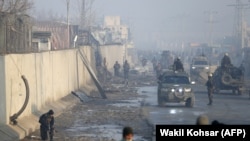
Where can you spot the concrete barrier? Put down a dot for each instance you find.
(118, 54)
(51, 76)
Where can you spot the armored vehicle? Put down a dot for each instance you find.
(175, 87)
(231, 78)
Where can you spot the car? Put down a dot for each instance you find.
(198, 65)
(175, 87)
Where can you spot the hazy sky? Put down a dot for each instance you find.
(168, 20)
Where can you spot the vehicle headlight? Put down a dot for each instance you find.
(207, 68)
(193, 67)
(180, 90)
(187, 90)
(172, 90)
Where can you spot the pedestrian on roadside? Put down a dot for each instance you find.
(117, 67)
(158, 70)
(105, 69)
(127, 134)
(210, 89)
(126, 68)
(46, 121)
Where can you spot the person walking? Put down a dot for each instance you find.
(210, 89)
(46, 121)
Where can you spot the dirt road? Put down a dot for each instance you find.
(103, 119)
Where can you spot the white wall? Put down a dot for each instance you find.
(2, 91)
(51, 76)
(113, 53)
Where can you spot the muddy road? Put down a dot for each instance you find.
(97, 119)
(135, 105)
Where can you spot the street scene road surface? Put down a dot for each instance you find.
(136, 105)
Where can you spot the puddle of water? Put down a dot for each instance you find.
(151, 95)
(117, 85)
(105, 131)
(148, 90)
(197, 113)
(128, 103)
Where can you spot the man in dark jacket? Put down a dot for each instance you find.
(126, 68)
(47, 125)
(225, 61)
(117, 67)
(178, 66)
(210, 88)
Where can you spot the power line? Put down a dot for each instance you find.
(211, 22)
(238, 30)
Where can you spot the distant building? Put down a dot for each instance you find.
(61, 38)
(113, 32)
(41, 41)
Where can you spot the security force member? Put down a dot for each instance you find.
(47, 125)
(210, 88)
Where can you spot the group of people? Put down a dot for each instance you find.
(126, 68)
(46, 120)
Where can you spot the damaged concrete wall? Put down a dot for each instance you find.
(51, 76)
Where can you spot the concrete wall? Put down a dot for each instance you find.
(51, 76)
(115, 53)
(2, 91)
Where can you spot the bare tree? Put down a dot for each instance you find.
(85, 12)
(15, 26)
(15, 6)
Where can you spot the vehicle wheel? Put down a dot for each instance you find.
(190, 102)
(226, 79)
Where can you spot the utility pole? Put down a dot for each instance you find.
(211, 21)
(239, 20)
(68, 37)
(83, 15)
